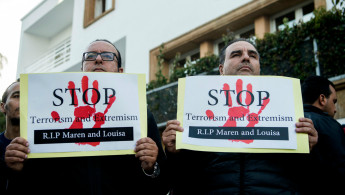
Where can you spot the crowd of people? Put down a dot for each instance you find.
(157, 170)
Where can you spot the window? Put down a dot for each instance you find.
(95, 9)
(302, 13)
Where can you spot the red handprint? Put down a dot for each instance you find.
(240, 111)
(83, 112)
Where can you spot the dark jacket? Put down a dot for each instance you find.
(90, 175)
(327, 163)
(235, 173)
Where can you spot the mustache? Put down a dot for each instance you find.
(245, 64)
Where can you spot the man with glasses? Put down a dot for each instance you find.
(122, 174)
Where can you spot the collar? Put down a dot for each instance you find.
(311, 108)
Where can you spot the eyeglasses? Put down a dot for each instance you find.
(106, 56)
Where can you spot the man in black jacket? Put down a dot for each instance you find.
(328, 156)
(194, 172)
(122, 174)
(10, 108)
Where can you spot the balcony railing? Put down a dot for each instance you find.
(162, 102)
(52, 58)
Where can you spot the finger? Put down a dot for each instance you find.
(71, 87)
(169, 133)
(304, 124)
(249, 97)
(146, 146)
(85, 86)
(20, 140)
(15, 154)
(306, 120)
(145, 140)
(174, 127)
(176, 122)
(94, 96)
(307, 130)
(12, 160)
(18, 147)
(146, 152)
(169, 139)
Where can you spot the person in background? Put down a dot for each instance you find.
(328, 155)
(10, 108)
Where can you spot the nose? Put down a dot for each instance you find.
(245, 56)
(99, 59)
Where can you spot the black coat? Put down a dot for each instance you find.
(327, 163)
(121, 174)
(195, 172)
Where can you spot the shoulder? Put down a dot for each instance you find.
(2, 137)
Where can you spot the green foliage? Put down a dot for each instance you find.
(328, 28)
(202, 65)
(160, 78)
(288, 52)
(229, 36)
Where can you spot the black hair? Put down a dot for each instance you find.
(5, 94)
(118, 57)
(222, 53)
(313, 87)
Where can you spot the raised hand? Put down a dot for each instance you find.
(88, 110)
(241, 110)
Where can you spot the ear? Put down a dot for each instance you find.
(221, 66)
(120, 70)
(2, 108)
(322, 100)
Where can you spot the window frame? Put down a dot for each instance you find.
(297, 10)
(89, 12)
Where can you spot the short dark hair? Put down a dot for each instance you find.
(313, 87)
(222, 53)
(118, 57)
(5, 94)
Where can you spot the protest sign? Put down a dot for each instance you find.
(82, 114)
(240, 114)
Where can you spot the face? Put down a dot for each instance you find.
(99, 65)
(329, 106)
(241, 58)
(11, 107)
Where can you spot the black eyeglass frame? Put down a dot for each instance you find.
(116, 57)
